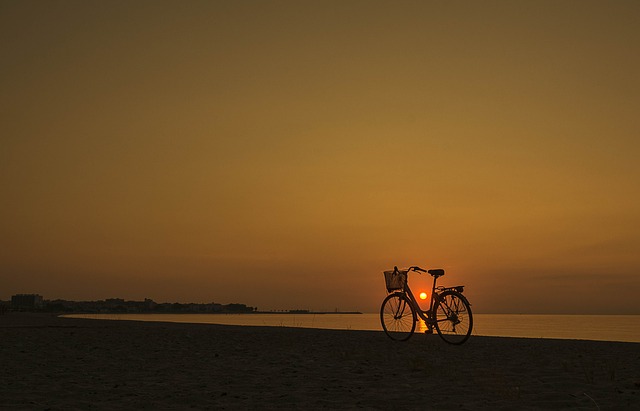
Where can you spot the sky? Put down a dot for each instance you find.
(283, 154)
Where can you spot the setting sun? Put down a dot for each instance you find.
(423, 296)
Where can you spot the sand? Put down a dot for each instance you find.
(51, 363)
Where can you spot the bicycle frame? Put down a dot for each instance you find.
(426, 316)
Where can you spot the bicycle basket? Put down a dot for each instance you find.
(395, 280)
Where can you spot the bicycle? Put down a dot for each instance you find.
(449, 311)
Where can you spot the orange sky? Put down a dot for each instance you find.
(283, 154)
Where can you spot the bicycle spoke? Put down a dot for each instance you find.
(453, 318)
(397, 317)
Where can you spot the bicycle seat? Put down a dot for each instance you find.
(438, 272)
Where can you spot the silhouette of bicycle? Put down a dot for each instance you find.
(449, 311)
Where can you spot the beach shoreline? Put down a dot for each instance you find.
(52, 362)
(572, 327)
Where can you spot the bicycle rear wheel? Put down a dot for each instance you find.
(398, 317)
(454, 320)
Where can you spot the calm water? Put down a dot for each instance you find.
(582, 327)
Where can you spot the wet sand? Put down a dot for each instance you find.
(64, 364)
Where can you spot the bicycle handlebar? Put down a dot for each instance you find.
(414, 268)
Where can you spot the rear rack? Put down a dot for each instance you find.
(458, 288)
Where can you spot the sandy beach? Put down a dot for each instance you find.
(52, 363)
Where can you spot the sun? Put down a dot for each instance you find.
(423, 296)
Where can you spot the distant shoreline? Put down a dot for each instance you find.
(35, 303)
(292, 312)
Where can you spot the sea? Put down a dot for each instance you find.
(625, 328)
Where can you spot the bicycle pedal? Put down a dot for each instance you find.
(428, 331)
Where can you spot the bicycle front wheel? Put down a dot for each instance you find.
(454, 320)
(398, 317)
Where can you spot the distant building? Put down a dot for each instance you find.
(26, 301)
(149, 304)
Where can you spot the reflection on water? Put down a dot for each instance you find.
(421, 327)
(583, 327)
